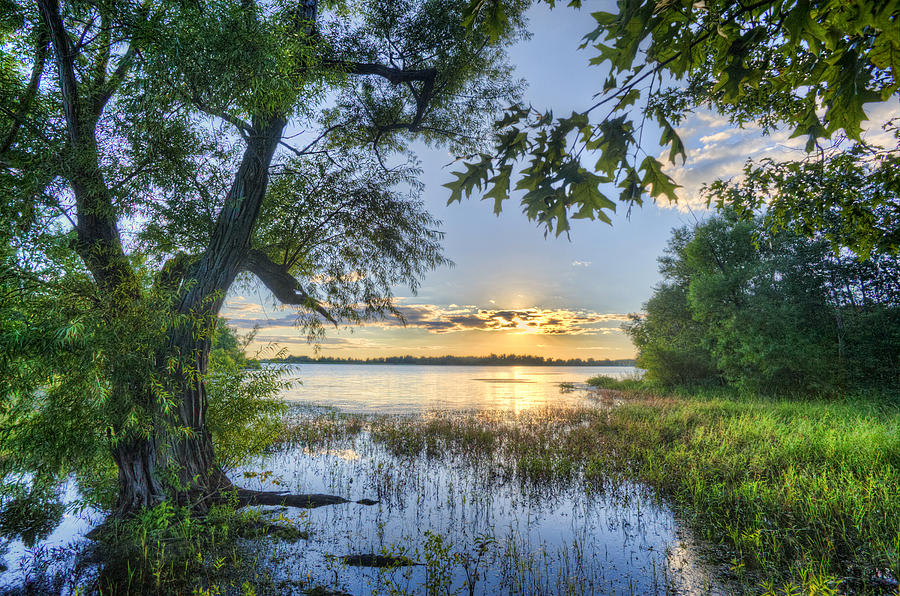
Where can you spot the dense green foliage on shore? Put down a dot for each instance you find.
(246, 409)
(492, 360)
(769, 311)
(165, 549)
(768, 412)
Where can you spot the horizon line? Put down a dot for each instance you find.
(449, 357)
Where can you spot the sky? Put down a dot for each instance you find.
(511, 289)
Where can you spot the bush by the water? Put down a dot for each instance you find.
(770, 312)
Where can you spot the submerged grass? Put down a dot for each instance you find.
(804, 494)
(168, 550)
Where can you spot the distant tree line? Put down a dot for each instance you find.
(769, 311)
(492, 360)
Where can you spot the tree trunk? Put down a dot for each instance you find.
(139, 485)
(200, 478)
(199, 475)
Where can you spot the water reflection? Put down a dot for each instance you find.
(541, 538)
(39, 560)
(404, 389)
(461, 518)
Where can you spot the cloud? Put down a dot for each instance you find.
(717, 150)
(325, 343)
(435, 318)
(240, 305)
(717, 137)
(438, 319)
(581, 263)
(287, 320)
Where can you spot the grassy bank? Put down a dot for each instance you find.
(804, 496)
(802, 490)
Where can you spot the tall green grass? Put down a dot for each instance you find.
(792, 487)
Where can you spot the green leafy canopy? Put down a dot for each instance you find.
(809, 66)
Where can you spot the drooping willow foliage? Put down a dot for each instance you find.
(154, 153)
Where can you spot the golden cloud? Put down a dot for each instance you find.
(437, 319)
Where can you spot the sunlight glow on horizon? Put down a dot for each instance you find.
(438, 330)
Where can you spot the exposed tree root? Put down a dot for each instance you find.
(263, 529)
(247, 497)
(255, 497)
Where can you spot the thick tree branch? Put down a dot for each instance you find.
(65, 61)
(106, 90)
(422, 100)
(242, 126)
(104, 37)
(282, 284)
(392, 74)
(397, 76)
(99, 243)
(37, 69)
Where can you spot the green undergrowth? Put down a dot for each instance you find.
(171, 550)
(167, 550)
(797, 488)
(804, 494)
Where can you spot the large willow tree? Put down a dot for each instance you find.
(152, 153)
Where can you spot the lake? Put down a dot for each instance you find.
(408, 389)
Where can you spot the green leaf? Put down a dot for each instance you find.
(658, 181)
(536, 201)
(512, 116)
(811, 127)
(613, 142)
(476, 174)
(500, 188)
(632, 188)
(584, 191)
(494, 17)
(670, 136)
(846, 97)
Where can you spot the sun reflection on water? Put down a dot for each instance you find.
(407, 389)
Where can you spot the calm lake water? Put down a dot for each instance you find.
(471, 519)
(408, 389)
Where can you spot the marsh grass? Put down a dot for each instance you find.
(802, 496)
(474, 518)
(313, 429)
(805, 494)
